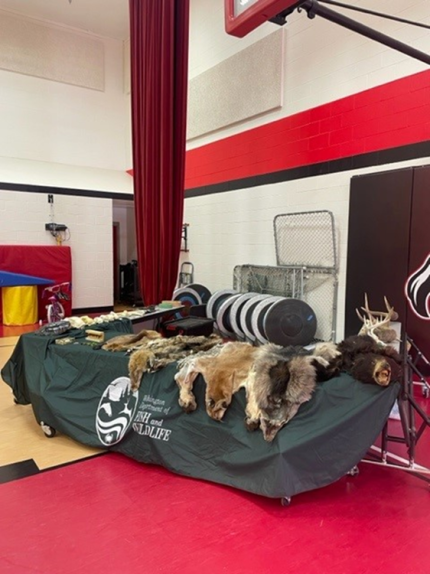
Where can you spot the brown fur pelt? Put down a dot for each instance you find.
(225, 369)
(367, 361)
(126, 342)
(158, 353)
(282, 380)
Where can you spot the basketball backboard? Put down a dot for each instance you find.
(243, 16)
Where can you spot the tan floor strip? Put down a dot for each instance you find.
(21, 436)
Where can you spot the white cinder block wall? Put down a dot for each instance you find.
(23, 216)
(322, 62)
(66, 136)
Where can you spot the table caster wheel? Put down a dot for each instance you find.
(354, 471)
(48, 431)
(286, 501)
(426, 392)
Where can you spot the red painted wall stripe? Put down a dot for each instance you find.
(388, 116)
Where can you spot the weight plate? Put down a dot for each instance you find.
(216, 300)
(258, 317)
(290, 322)
(187, 296)
(203, 291)
(235, 314)
(223, 316)
(246, 315)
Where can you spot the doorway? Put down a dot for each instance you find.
(124, 241)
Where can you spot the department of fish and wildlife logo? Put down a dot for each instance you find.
(417, 290)
(116, 411)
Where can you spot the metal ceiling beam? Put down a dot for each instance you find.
(313, 8)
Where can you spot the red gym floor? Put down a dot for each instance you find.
(113, 515)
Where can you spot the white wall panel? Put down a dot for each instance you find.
(241, 87)
(28, 46)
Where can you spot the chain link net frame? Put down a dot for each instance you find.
(306, 267)
(305, 238)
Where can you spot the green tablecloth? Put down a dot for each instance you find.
(85, 394)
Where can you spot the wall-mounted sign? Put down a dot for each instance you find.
(417, 290)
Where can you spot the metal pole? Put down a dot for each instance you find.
(314, 9)
(373, 13)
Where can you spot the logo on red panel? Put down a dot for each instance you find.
(417, 290)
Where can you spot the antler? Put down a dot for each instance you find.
(390, 309)
(375, 319)
(372, 314)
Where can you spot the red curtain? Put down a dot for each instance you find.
(159, 75)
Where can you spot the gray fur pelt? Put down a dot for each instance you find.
(283, 379)
(160, 352)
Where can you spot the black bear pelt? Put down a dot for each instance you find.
(368, 362)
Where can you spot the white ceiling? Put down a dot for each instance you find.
(102, 17)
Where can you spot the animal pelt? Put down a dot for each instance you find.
(367, 361)
(126, 342)
(225, 369)
(322, 357)
(325, 356)
(282, 380)
(371, 368)
(158, 353)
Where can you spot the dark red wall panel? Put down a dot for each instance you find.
(388, 116)
(418, 327)
(378, 243)
(388, 241)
